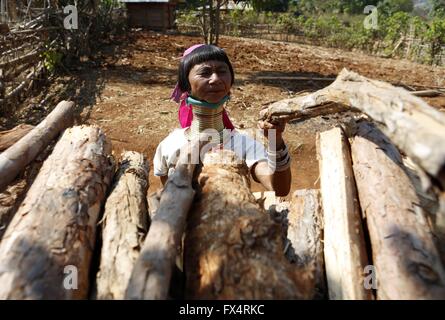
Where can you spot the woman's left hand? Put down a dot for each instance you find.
(278, 127)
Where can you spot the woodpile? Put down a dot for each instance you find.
(152, 273)
(233, 250)
(55, 225)
(15, 158)
(74, 227)
(38, 39)
(403, 248)
(22, 63)
(383, 230)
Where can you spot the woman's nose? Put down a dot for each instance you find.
(214, 78)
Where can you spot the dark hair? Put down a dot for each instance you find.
(197, 56)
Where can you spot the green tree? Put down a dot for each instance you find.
(269, 5)
(334, 6)
(437, 4)
(392, 6)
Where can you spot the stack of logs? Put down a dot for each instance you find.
(22, 59)
(374, 230)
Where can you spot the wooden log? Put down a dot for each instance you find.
(14, 194)
(432, 201)
(124, 226)
(46, 250)
(176, 290)
(416, 128)
(407, 264)
(287, 78)
(344, 247)
(152, 272)
(9, 137)
(425, 189)
(232, 249)
(305, 233)
(13, 160)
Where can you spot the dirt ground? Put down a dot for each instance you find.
(125, 90)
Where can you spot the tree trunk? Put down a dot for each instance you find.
(204, 24)
(344, 246)
(152, 272)
(12, 10)
(14, 160)
(211, 22)
(46, 250)
(124, 226)
(9, 137)
(305, 233)
(407, 263)
(232, 249)
(410, 123)
(217, 20)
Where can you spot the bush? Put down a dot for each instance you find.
(344, 31)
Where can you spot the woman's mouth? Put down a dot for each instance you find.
(215, 91)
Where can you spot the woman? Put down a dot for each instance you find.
(205, 77)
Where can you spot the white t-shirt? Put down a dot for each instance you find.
(244, 146)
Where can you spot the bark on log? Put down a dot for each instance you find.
(432, 201)
(414, 126)
(439, 226)
(305, 233)
(124, 226)
(232, 249)
(408, 266)
(46, 250)
(13, 160)
(152, 272)
(9, 137)
(344, 247)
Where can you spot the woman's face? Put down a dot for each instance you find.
(210, 81)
